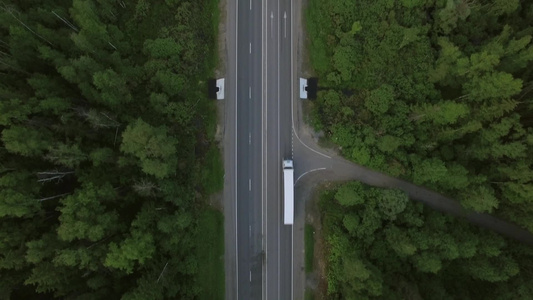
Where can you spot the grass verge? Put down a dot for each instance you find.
(213, 178)
(214, 14)
(309, 247)
(210, 245)
(309, 295)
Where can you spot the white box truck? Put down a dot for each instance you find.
(288, 192)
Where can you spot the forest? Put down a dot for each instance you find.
(381, 245)
(106, 141)
(437, 92)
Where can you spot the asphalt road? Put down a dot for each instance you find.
(243, 191)
(249, 151)
(278, 110)
(258, 136)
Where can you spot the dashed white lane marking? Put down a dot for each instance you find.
(250, 47)
(249, 139)
(271, 24)
(292, 145)
(250, 92)
(285, 24)
(249, 184)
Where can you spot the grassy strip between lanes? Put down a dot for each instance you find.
(309, 247)
(210, 241)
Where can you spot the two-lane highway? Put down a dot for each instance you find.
(243, 190)
(279, 146)
(248, 151)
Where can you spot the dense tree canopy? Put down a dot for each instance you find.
(439, 92)
(379, 245)
(104, 136)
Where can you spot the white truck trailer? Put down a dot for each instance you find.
(288, 192)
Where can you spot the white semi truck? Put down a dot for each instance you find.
(288, 192)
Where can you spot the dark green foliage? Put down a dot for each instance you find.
(309, 240)
(155, 150)
(211, 255)
(105, 138)
(412, 252)
(440, 93)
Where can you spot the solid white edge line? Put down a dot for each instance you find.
(314, 170)
(279, 144)
(263, 140)
(271, 24)
(236, 120)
